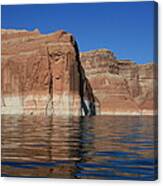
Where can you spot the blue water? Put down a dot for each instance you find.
(99, 147)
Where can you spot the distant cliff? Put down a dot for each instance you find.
(45, 74)
(120, 86)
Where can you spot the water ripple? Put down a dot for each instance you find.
(99, 147)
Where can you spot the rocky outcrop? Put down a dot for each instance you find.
(46, 74)
(42, 74)
(120, 86)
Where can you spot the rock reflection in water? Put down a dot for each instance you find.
(100, 147)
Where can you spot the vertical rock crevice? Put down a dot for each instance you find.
(49, 106)
(88, 106)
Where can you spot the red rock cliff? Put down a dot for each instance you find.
(41, 74)
(120, 86)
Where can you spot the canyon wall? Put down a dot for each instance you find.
(43, 74)
(120, 86)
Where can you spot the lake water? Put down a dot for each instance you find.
(99, 147)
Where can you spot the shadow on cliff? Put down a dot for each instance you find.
(88, 106)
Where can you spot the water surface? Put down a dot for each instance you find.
(99, 147)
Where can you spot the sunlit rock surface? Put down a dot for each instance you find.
(120, 86)
(42, 74)
(45, 74)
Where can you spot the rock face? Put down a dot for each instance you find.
(46, 74)
(120, 86)
(42, 74)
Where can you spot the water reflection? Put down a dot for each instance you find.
(100, 147)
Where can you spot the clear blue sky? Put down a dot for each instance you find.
(125, 28)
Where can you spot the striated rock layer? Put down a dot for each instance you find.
(120, 86)
(42, 74)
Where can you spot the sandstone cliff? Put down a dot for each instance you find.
(42, 74)
(46, 74)
(120, 86)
